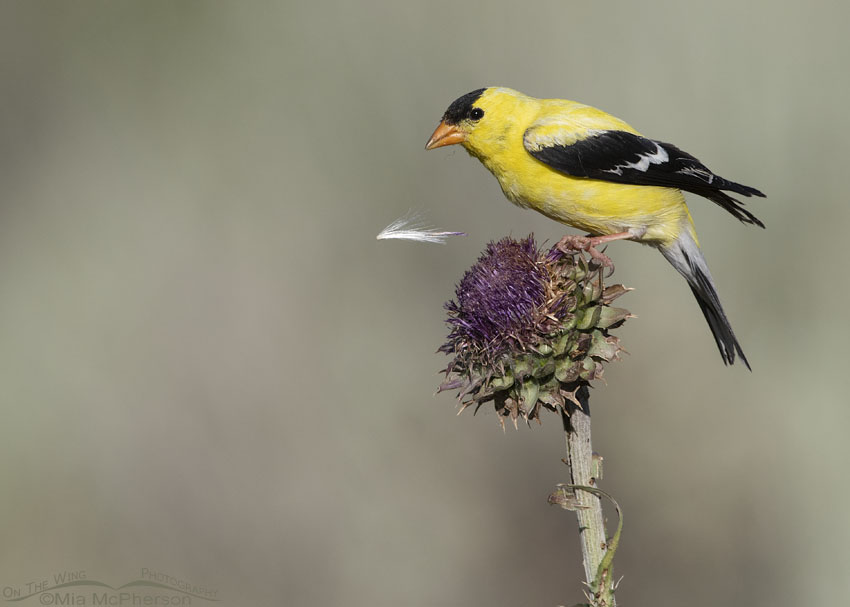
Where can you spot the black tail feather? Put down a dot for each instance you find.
(727, 343)
(709, 302)
(687, 258)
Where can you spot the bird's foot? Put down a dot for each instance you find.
(572, 243)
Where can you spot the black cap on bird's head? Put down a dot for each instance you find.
(462, 108)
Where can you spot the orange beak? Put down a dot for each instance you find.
(445, 134)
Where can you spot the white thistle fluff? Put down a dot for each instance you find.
(413, 227)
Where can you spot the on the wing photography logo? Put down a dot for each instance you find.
(152, 587)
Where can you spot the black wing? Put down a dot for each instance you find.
(624, 157)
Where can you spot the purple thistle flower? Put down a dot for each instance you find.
(528, 327)
(497, 296)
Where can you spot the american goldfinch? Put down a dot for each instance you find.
(587, 169)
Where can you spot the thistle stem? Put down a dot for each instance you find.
(591, 523)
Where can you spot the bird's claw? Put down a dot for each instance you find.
(602, 259)
(571, 243)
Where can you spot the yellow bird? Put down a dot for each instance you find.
(587, 169)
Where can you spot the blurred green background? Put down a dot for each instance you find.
(210, 367)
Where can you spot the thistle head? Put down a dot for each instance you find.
(529, 327)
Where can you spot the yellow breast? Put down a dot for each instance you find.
(597, 207)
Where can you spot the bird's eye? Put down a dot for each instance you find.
(477, 113)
